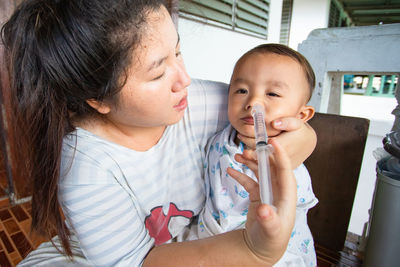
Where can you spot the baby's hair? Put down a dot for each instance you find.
(284, 50)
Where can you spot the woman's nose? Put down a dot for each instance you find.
(182, 77)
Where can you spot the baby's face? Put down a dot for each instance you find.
(277, 82)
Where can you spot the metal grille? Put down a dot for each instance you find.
(286, 19)
(239, 15)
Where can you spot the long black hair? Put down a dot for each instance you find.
(59, 54)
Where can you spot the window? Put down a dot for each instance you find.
(334, 15)
(249, 16)
(337, 16)
(371, 85)
(286, 19)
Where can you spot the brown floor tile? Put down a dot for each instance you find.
(19, 213)
(4, 260)
(13, 256)
(16, 239)
(11, 226)
(22, 244)
(27, 206)
(6, 242)
(4, 202)
(25, 226)
(16, 261)
(5, 214)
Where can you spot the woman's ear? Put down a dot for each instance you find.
(101, 107)
(306, 113)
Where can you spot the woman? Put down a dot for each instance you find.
(115, 139)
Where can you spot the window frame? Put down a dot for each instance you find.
(243, 16)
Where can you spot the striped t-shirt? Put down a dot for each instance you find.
(119, 202)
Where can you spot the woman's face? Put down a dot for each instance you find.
(155, 92)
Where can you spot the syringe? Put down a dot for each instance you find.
(263, 150)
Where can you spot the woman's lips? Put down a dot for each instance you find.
(182, 104)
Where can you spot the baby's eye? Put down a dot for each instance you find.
(272, 94)
(241, 91)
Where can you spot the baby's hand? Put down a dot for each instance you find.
(267, 228)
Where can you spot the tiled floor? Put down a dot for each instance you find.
(346, 258)
(15, 238)
(16, 241)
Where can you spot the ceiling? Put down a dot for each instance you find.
(372, 12)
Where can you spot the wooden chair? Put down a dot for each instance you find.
(334, 167)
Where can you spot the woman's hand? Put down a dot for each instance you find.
(268, 228)
(297, 138)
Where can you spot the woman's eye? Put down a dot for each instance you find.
(241, 91)
(158, 77)
(179, 53)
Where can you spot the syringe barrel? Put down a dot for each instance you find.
(259, 124)
(264, 174)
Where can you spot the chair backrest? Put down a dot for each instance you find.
(334, 167)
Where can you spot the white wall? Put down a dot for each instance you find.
(307, 16)
(380, 124)
(210, 52)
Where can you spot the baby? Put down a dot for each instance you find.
(281, 80)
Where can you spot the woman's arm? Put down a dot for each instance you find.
(267, 231)
(227, 249)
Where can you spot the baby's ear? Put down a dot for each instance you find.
(306, 113)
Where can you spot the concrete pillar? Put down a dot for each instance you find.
(391, 86)
(369, 89)
(382, 85)
(335, 93)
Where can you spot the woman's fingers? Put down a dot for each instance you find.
(283, 178)
(287, 124)
(281, 160)
(249, 154)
